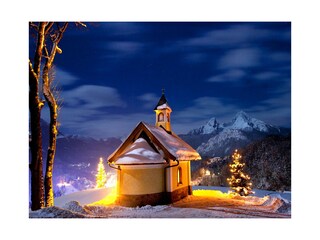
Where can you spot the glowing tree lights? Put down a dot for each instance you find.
(101, 176)
(239, 181)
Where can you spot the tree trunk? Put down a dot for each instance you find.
(37, 197)
(35, 105)
(53, 107)
(52, 103)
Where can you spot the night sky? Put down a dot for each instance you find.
(111, 74)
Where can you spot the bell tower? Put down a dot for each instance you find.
(163, 112)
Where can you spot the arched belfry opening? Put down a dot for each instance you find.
(163, 112)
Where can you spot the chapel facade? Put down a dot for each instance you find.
(153, 163)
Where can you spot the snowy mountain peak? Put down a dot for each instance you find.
(210, 127)
(212, 122)
(241, 121)
(220, 139)
(242, 115)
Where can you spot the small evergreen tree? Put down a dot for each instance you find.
(239, 181)
(101, 176)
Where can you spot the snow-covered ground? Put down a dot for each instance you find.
(257, 192)
(206, 202)
(83, 197)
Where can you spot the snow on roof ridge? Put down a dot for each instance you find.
(174, 144)
(140, 152)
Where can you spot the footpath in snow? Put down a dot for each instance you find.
(206, 202)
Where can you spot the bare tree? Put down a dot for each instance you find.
(55, 36)
(49, 35)
(35, 106)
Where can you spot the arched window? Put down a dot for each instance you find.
(179, 175)
(160, 117)
(168, 117)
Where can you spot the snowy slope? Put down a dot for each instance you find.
(208, 202)
(83, 197)
(220, 144)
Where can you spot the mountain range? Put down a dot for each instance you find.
(216, 139)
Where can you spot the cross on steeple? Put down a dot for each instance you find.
(163, 91)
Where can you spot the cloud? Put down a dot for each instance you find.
(237, 35)
(205, 108)
(275, 110)
(123, 28)
(104, 125)
(222, 37)
(280, 57)
(228, 76)
(266, 75)
(149, 99)
(123, 49)
(208, 45)
(64, 78)
(240, 58)
(195, 57)
(92, 96)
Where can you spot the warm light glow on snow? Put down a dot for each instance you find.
(230, 197)
(111, 180)
(108, 200)
(211, 193)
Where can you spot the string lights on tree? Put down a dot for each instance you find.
(101, 176)
(239, 181)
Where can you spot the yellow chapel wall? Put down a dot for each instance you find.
(144, 179)
(172, 176)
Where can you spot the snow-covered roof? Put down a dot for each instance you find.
(168, 144)
(163, 106)
(140, 152)
(174, 144)
(161, 102)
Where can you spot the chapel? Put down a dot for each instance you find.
(153, 163)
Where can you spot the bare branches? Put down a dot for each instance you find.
(33, 26)
(31, 71)
(81, 24)
(40, 44)
(56, 37)
(48, 27)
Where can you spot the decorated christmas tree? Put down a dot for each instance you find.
(101, 176)
(239, 181)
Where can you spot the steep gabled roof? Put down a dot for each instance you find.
(170, 145)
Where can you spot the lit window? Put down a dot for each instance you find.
(179, 175)
(168, 117)
(160, 117)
